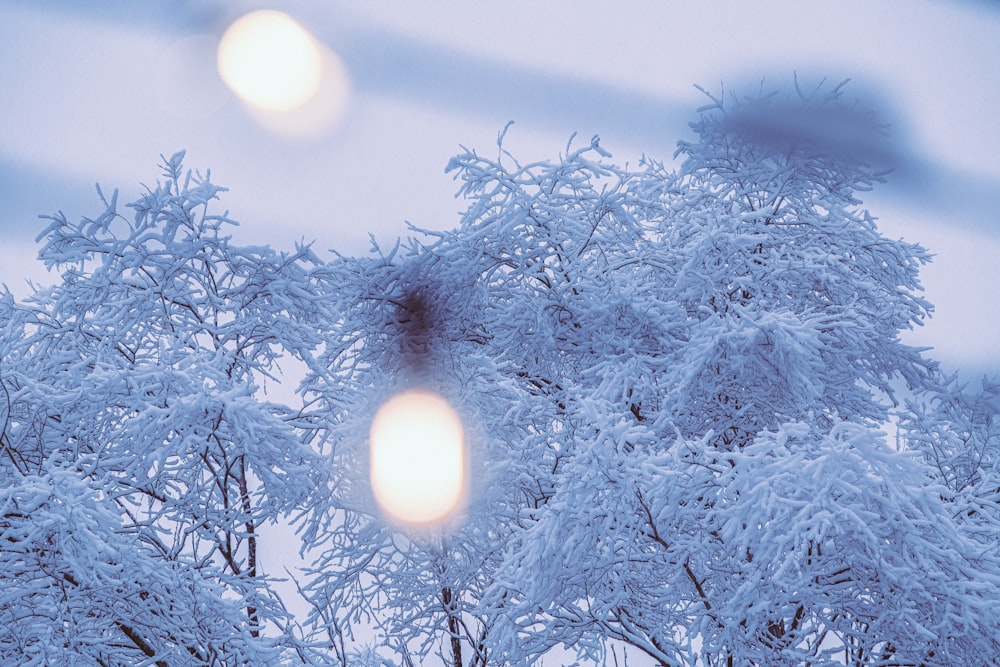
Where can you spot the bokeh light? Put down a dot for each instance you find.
(270, 61)
(417, 458)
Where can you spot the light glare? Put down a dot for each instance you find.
(270, 61)
(417, 458)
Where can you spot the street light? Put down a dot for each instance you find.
(416, 443)
(292, 84)
(270, 61)
(417, 456)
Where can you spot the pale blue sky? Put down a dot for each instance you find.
(92, 92)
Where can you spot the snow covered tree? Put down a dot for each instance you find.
(677, 381)
(139, 454)
(412, 588)
(725, 496)
(958, 432)
(673, 385)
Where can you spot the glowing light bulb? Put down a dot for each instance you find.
(417, 458)
(270, 61)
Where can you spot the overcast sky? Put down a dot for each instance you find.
(94, 92)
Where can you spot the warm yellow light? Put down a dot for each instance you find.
(417, 458)
(270, 61)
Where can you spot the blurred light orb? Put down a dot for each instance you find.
(417, 458)
(270, 61)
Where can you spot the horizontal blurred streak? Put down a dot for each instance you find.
(866, 128)
(988, 6)
(450, 81)
(834, 132)
(458, 82)
(30, 192)
(390, 64)
(950, 197)
(178, 17)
